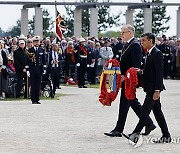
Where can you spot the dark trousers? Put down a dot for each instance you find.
(150, 104)
(21, 79)
(70, 71)
(167, 67)
(55, 78)
(92, 74)
(124, 108)
(35, 82)
(81, 70)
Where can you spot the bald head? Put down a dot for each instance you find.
(127, 32)
(129, 27)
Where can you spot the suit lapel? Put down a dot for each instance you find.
(149, 58)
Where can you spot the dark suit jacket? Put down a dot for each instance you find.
(131, 56)
(19, 60)
(51, 58)
(153, 71)
(5, 63)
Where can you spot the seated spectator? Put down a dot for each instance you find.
(10, 66)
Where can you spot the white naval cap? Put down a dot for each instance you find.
(82, 39)
(36, 38)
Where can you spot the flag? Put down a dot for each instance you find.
(60, 26)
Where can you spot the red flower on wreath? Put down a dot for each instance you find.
(131, 83)
(106, 98)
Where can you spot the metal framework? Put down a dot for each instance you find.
(88, 3)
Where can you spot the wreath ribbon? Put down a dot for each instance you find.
(107, 97)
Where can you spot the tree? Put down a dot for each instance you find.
(1, 32)
(15, 30)
(159, 19)
(48, 24)
(105, 19)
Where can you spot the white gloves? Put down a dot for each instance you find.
(3, 66)
(78, 64)
(44, 72)
(87, 65)
(28, 73)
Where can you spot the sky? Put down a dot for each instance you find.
(9, 14)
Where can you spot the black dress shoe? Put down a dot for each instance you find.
(36, 103)
(163, 139)
(80, 86)
(84, 86)
(149, 129)
(134, 137)
(114, 133)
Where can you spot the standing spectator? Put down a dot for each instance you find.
(119, 47)
(3, 71)
(29, 43)
(93, 60)
(19, 64)
(106, 53)
(70, 61)
(173, 59)
(54, 58)
(63, 47)
(113, 45)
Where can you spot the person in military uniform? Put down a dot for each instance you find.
(36, 67)
(81, 54)
(165, 49)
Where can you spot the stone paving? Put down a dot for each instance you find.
(75, 124)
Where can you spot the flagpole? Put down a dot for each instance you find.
(55, 4)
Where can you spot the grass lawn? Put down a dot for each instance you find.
(88, 85)
(57, 97)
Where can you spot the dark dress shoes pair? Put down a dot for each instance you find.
(36, 102)
(82, 86)
(164, 139)
(149, 129)
(114, 133)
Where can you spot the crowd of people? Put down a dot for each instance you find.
(71, 60)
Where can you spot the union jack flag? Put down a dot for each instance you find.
(60, 26)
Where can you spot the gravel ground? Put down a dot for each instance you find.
(75, 124)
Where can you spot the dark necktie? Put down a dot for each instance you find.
(147, 55)
(55, 65)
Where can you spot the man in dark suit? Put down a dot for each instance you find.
(54, 58)
(131, 57)
(153, 85)
(36, 65)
